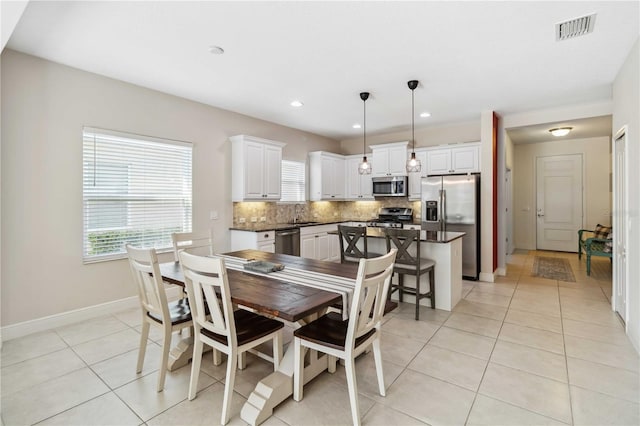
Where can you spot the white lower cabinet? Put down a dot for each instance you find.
(316, 243)
(242, 240)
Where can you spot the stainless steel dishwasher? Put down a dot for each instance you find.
(288, 241)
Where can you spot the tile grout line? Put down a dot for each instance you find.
(484, 372)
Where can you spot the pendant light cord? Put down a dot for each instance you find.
(364, 128)
(413, 115)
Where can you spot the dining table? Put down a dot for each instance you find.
(301, 292)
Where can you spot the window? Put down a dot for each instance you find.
(293, 181)
(135, 189)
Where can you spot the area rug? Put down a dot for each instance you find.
(553, 268)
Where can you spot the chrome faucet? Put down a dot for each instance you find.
(296, 213)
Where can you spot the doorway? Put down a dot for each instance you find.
(508, 201)
(620, 219)
(559, 205)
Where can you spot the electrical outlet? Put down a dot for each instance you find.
(263, 218)
(213, 215)
(335, 214)
(254, 219)
(241, 220)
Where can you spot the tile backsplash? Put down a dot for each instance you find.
(319, 211)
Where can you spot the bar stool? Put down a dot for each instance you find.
(408, 264)
(350, 235)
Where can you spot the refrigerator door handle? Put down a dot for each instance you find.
(443, 209)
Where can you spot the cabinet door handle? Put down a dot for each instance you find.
(316, 236)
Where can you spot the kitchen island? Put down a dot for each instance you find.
(445, 248)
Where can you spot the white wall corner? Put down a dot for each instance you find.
(10, 14)
(501, 271)
(487, 277)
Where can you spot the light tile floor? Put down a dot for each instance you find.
(521, 351)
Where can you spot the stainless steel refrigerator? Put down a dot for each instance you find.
(452, 203)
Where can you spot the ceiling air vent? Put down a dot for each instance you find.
(575, 27)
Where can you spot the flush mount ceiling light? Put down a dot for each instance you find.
(364, 168)
(425, 114)
(413, 164)
(296, 104)
(216, 50)
(560, 131)
(357, 126)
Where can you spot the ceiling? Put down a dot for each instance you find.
(468, 56)
(580, 129)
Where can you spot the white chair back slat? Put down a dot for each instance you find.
(202, 277)
(369, 298)
(146, 272)
(195, 242)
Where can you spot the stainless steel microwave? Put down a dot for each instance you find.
(390, 186)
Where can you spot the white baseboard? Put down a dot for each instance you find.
(487, 277)
(65, 318)
(70, 317)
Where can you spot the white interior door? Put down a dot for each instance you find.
(508, 201)
(620, 218)
(559, 202)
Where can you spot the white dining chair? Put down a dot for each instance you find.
(219, 326)
(199, 242)
(156, 310)
(346, 339)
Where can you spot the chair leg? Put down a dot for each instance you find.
(298, 368)
(232, 362)
(166, 345)
(377, 356)
(143, 345)
(350, 369)
(242, 361)
(195, 367)
(418, 295)
(401, 287)
(588, 264)
(277, 350)
(432, 287)
(332, 361)
(217, 357)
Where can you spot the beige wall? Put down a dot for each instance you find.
(597, 198)
(626, 112)
(44, 106)
(437, 135)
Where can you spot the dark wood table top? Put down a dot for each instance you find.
(289, 301)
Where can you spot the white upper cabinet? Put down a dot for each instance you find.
(256, 167)
(359, 187)
(415, 177)
(389, 159)
(458, 159)
(326, 176)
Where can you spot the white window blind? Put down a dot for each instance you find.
(136, 189)
(293, 181)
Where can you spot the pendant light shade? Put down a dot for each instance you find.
(364, 168)
(413, 164)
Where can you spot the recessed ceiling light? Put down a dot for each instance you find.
(560, 131)
(296, 104)
(425, 114)
(216, 50)
(357, 126)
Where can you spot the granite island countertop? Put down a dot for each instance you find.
(262, 227)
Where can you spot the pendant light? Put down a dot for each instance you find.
(413, 164)
(365, 167)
